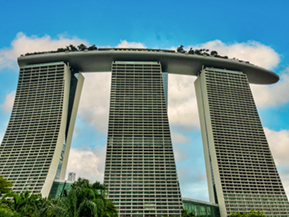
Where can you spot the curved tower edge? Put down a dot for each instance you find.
(61, 136)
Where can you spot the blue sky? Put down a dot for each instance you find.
(250, 30)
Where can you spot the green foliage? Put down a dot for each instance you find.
(61, 49)
(81, 47)
(205, 52)
(5, 186)
(191, 51)
(237, 214)
(198, 52)
(186, 214)
(214, 53)
(23, 204)
(253, 213)
(180, 49)
(93, 47)
(71, 48)
(5, 211)
(84, 199)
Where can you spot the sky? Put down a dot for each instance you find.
(255, 31)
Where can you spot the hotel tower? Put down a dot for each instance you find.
(36, 145)
(140, 169)
(241, 172)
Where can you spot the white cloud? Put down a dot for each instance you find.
(182, 109)
(180, 153)
(284, 175)
(278, 141)
(252, 51)
(272, 95)
(23, 44)
(179, 138)
(94, 101)
(2, 129)
(126, 44)
(87, 164)
(193, 183)
(8, 103)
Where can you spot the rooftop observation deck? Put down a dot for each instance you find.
(172, 62)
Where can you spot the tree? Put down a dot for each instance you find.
(186, 214)
(44, 210)
(214, 53)
(180, 49)
(84, 199)
(23, 204)
(5, 211)
(93, 47)
(71, 48)
(253, 213)
(81, 47)
(61, 49)
(5, 186)
(191, 51)
(198, 52)
(256, 213)
(237, 214)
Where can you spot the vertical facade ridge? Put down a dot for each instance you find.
(76, 85)
(237, 154)
(140, 170)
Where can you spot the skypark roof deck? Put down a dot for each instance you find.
(172, 62)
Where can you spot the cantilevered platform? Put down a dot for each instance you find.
(172, 62)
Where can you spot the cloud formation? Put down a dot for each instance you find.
(182, 109)
(3, 128)
(8, 103)
(278, 141)
(23, 44)
(284, 175)
(193, 183)
(180, 153)
(252, 51)
(126, 44)
(94, 101)
(179, 138)
(272, 95)
(87, 164)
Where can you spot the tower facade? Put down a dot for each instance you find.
(35, 147)
(140, 169)
(241, 172)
